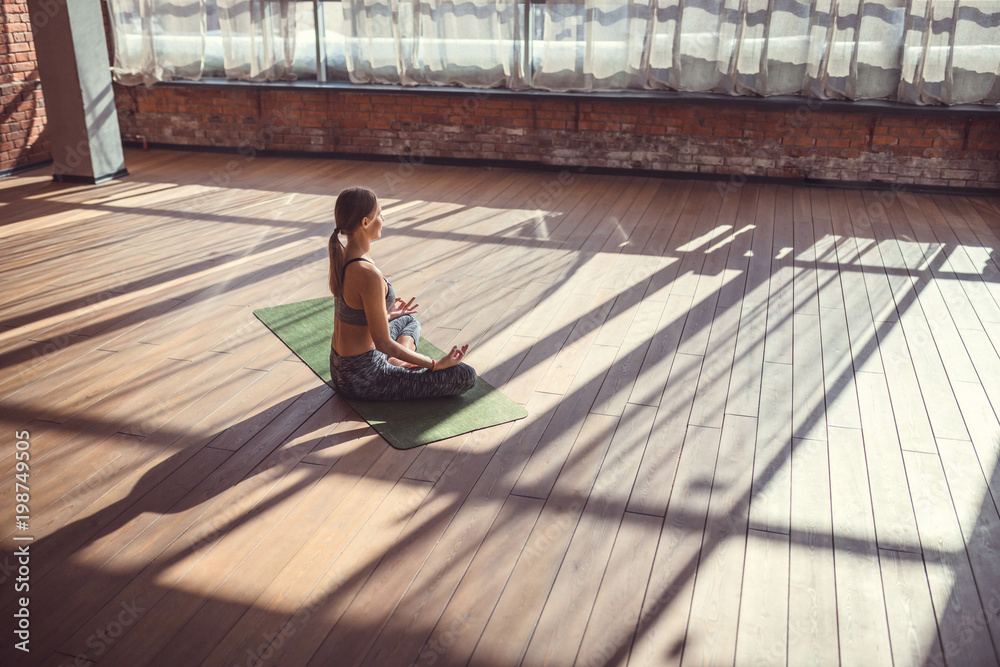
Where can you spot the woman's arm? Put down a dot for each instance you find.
(373, 297)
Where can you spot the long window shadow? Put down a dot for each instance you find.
(867, 350)
(195, 475)
(871, 345)
(763, 479)
(766, 477)
(631, 297)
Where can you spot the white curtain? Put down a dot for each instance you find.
(156, 40)
(475, 43)
(913, 51)
(952, 52)
(161, 40)
(258, 39)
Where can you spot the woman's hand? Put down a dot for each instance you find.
(400, 308)
(453, 358)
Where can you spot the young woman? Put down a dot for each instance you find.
(373, 351)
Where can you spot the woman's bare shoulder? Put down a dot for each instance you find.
(364, 267)
(367, 279)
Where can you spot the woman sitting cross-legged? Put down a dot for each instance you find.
(373, 350)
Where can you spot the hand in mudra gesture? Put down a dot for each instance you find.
(400, 308)
(453, 358)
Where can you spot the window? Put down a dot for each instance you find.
(916, 51)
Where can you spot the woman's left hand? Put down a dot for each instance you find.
(400, 308)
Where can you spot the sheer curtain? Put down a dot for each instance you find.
(157, 41)
(913, 51)
(474, 43)
(952, 52)
(258, 39)
(160, 40)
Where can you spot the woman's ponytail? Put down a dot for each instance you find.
(336, 250)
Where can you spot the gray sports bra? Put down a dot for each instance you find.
(349, 315)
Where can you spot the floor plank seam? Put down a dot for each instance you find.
(769, 530)
(655, 515)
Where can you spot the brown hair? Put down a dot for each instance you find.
(353, 205)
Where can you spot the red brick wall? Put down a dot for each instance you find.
(810, 141)
(22, 109)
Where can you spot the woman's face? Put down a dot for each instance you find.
(375, 220)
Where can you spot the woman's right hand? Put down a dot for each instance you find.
(453, 358)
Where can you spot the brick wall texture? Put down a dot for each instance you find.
(22, 108)
(808, 142)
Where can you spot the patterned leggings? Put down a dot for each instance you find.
(370, 376)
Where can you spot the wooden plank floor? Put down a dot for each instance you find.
(763, 423)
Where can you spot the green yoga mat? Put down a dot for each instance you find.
(306, 327)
